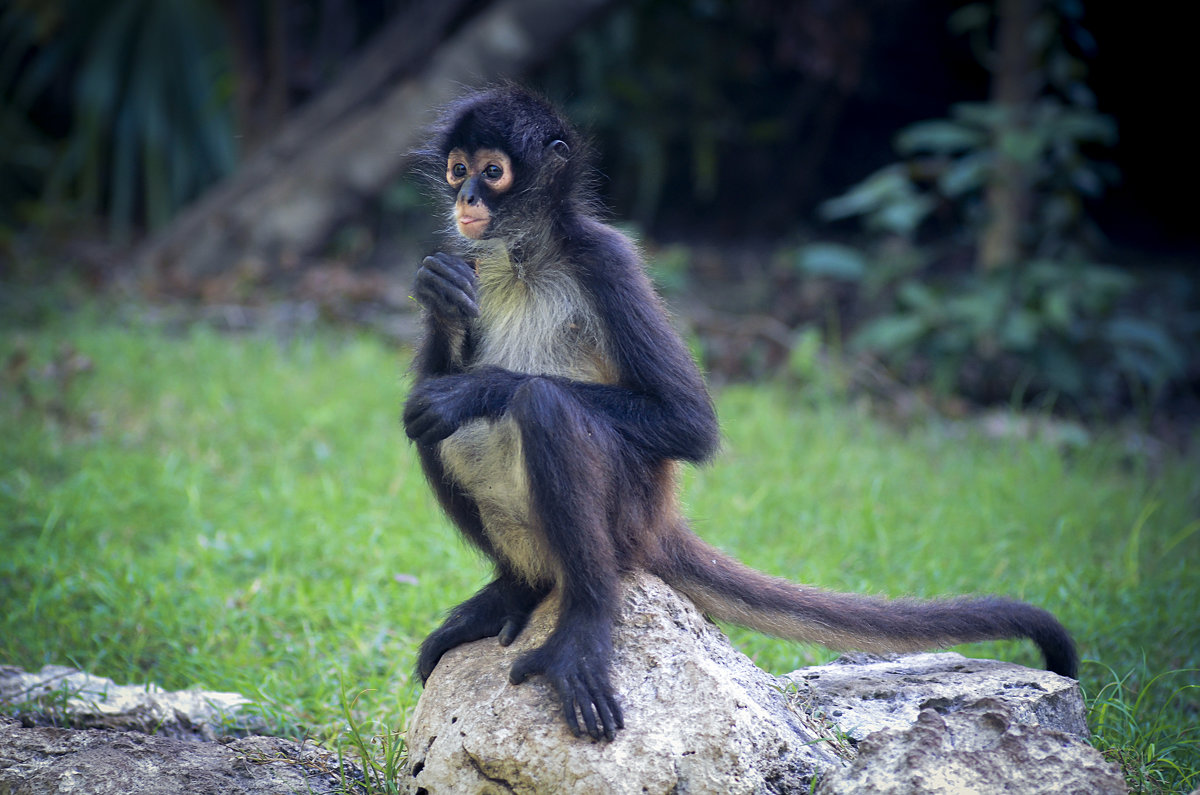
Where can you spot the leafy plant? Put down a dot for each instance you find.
(144, 83)
(951, 161)
(1056, 326)
(1054, 321)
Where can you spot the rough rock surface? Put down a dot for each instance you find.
(64, 696)
(94, 762)
(864, 694)
(700, 717)
(976, 750)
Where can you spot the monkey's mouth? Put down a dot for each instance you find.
(471, 226)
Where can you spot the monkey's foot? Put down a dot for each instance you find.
(501, 608)
(456, 633)
(577, 668)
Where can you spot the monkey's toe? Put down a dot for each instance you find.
(589, 702)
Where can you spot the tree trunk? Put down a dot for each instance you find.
(351, 142)
(1014, 87)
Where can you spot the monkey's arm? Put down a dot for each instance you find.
(660, 404)
(662, 418)
(437, 406)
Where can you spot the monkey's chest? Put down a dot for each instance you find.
(485, 456)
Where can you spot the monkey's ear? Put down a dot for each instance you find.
(559, 148)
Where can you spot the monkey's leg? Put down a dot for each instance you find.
(501, 607)
(568, 457)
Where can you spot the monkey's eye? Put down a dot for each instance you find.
(458, 170)
(493, 171)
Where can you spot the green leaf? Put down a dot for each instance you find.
(1024, 146)
(891, 335)
(968, 173)
(1057, 308)
(1019, 332)
(974, 16)
(903, 217)
(985, 115)
(832, 260)
(880, 188)
(915, 295)
(1085, 125)
(1148, 347)
(941, 136)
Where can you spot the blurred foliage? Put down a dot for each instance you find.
(949, 163)
(126, 109)
(686, 136)
(1055, 324)
(138, 90)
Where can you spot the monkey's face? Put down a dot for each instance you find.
(479, 178)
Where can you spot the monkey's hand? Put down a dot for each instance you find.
(437, 406)
(576, 664)
(446, 287)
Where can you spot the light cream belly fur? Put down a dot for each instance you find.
(485, 458)
(538, 325)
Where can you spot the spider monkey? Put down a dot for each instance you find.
(551, 407)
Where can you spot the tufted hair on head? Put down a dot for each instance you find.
(543, 145)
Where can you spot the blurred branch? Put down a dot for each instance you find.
(1014, 87)
(354, 139)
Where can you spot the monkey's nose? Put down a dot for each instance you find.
(470, 192)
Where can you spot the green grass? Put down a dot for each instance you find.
(243, 513)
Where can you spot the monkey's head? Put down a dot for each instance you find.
(511, 163)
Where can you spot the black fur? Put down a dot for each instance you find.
(596, 451)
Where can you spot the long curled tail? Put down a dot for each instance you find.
(726, 589)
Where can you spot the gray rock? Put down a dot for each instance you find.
(93, 762)
(977, 750)
(65, 696)
(863, 694)
(700, 717)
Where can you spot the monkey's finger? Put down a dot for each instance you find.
(457, 265)
(618, 714)
(569, 714)
(527, 665)
(415, 420)
(609, 712)
(587, 707)
(514, 624)
(449, 302)
(430, 430)
(518, 673)
(421, 426)
(610, 715)
(444, 299)
(452, 270)
(427, 660)
(509, 632)
(605, 704)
